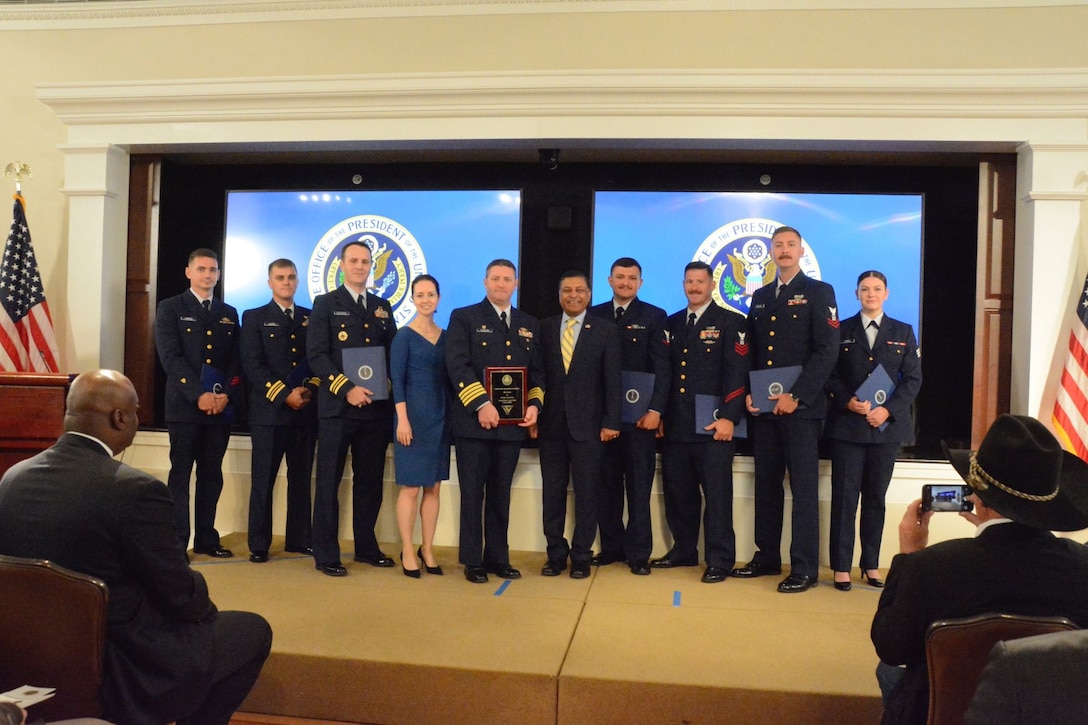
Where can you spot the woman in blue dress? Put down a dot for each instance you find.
(421, 449)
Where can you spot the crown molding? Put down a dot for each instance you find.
(1041, 94)
(140, 13)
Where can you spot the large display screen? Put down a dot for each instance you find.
(843, 234)
(449, 234)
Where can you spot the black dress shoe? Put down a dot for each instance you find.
(436, 569)
(579, 570)
(607, 557)
(795, 583)
(334, 569)
(874, 582)
(503, 571)
(714, 574)
(670, 560)
(307, 550)
(476, 574)
(641, 568)
(553, 567)
(755, 568)
(259, 557)
(842, 586)
(381, 560)
(218, 552)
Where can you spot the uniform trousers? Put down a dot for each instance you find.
(271, 444)
(865, 470)
(485, 472)
(242, 644)
(628, 467)
(687, 467)
(204, 445)
(368, 441)
(564, 460)
(782, 443)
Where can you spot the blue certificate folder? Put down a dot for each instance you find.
(215, 380)
(706, 412)
(298, 377)
(877, 388)
(366, 366)
(637, 390)
(771, 381)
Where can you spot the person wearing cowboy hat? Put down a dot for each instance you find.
(1024, 486)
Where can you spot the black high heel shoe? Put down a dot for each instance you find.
(430, 569)
(872, 581)
(842, 586)
(414, 573)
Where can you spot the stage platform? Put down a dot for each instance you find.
(379, 647)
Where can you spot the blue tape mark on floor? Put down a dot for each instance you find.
(676, 599)
(501, 589)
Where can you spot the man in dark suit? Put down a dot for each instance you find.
(793, 322)
(1040, 679)
(282, 414)
(349, 416)
(196, 337)
(170, 656)
(582, 375)
(489, 334)
(1023, 487)
(630, 461)
(709, 357)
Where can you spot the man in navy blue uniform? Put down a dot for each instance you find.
(282, 411)
(793, 321)
(630, 460)
(581, 356)
(349, 417)
(490, 333)
(710, 357)
(196, 337)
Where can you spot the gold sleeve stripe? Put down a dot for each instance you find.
(275, 390)
(337, 384)
(536, 394)
(314, 381)
(471, 392)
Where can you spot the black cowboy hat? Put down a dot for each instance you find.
(1021, 471)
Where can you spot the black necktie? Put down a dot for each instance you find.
(503, 322)
(619, 314)
(691, 321)
(872, 324)
(289, 313)
(871, 331)
(207, 305)
(362, 302)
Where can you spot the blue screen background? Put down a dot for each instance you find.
(459, 232)
(847, 234)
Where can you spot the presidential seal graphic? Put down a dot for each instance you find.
(740, 258)
(398, 259)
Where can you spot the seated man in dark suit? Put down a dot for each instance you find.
(1023, 486)
(170, 655)
(1039, 679)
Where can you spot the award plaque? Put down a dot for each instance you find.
(506, 386)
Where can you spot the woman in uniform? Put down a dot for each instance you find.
(866, 434)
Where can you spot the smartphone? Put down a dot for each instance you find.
(937, 497)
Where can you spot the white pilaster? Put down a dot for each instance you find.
(96, 184)
(1051, 260)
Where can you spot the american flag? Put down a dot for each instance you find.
(1071, 404)
(27, 343)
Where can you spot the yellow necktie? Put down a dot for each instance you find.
(567, 345)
